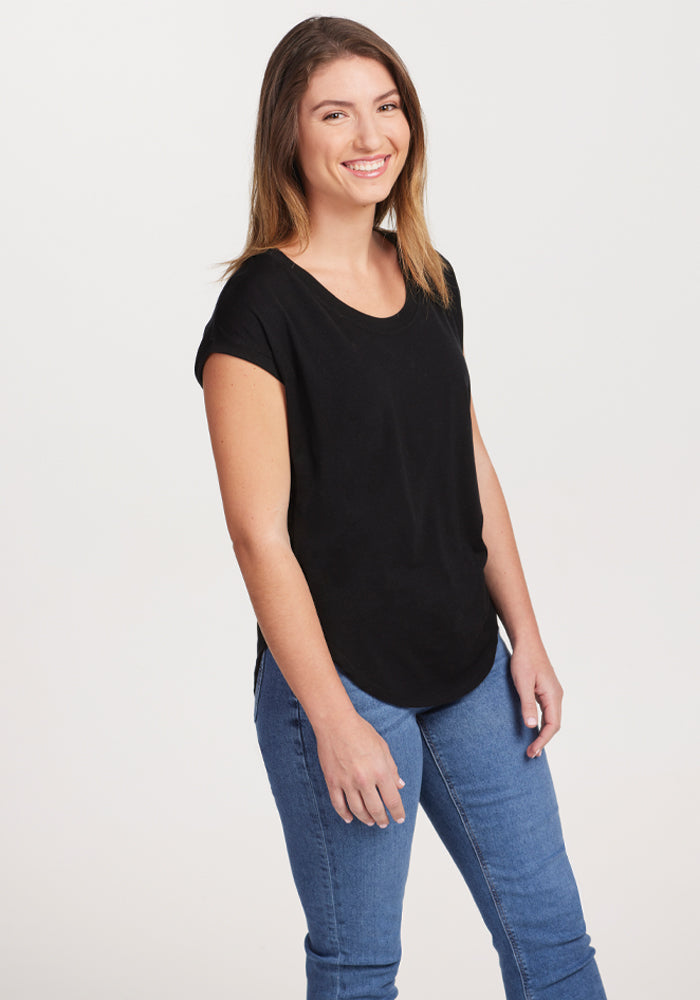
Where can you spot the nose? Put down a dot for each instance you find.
(368, 135)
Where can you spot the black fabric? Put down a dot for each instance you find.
(384, 514)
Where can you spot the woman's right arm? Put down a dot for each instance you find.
(247, 417)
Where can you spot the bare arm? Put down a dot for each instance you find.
(246, 413)
(532, 672)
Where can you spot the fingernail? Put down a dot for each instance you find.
(532, 721)
(402, 820)
(349, 820)
(401, 782)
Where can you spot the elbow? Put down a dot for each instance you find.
(251, 544)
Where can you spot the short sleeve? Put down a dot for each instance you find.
(247, 321)
(242, 337)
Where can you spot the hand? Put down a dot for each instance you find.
(358, 768)
(536, 682)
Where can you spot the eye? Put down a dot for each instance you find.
(390, 105)
(329, 116)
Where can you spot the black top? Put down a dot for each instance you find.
(384, 513)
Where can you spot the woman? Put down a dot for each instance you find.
(375, 542)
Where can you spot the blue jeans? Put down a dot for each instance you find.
(494, 809)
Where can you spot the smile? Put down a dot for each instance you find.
(368, 168)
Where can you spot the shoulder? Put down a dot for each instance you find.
(453, 284)
(449, 270)
(248, 320)
(454, 310)
(255, 285)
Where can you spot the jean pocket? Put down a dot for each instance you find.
(258, 685)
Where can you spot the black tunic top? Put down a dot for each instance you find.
(384, 514)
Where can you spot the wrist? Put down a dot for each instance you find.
(525, 637)
(329, 713)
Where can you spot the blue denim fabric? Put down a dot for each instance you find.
(494, 809)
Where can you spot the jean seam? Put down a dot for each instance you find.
(324, 842)
(522, 971)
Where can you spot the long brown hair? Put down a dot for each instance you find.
(279, 211)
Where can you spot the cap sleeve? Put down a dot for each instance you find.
(245, 339)
(241, 323)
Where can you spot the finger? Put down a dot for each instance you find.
(375, 806)
(392, 801)
(398, 780)
(528, 701)
(340, 805)
(357, 805)
(545, 735)
(552, 724)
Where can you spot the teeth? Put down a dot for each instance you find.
(366, 165)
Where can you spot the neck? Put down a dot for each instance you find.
(342, 239)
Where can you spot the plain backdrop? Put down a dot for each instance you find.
(142, 854)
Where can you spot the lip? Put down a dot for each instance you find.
(367, 174)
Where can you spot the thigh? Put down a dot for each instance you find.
(496, 811)
(350, 877)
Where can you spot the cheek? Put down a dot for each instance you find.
(307, 156)
(404, 142)
(317, 153)
(402, 136)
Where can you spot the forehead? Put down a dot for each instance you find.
(348, 77)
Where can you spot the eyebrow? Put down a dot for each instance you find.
(349, 104)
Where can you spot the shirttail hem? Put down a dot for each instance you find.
(471, 680)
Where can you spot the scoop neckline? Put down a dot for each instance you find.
(395, 322)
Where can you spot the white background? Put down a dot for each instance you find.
(141, 849)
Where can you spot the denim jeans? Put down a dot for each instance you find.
(494, 809)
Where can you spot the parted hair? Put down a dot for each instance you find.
(278, 209)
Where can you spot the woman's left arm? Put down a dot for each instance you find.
(533, 674)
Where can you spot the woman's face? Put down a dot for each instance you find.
(353, 136)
